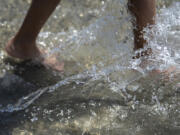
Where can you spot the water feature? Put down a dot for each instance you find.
(102, 90)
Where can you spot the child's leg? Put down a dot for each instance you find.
(144, 12)
(23, 45)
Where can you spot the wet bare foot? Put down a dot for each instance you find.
(51, 61)
(171, 70)
(145, 62)
(168, 73)
(30, 51)
(23, 52)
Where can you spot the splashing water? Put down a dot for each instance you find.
(114, 93)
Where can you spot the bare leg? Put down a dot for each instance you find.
(144, 12)
(23, 44)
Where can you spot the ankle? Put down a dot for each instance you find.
(23, 41)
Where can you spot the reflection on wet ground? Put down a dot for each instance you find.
(102, 90)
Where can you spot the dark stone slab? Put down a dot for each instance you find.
(12, 88)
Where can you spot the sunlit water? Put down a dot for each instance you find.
(102, 90)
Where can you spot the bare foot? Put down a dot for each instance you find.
(23, 52)
(168, 72)
(30, 51)
(51, 62)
